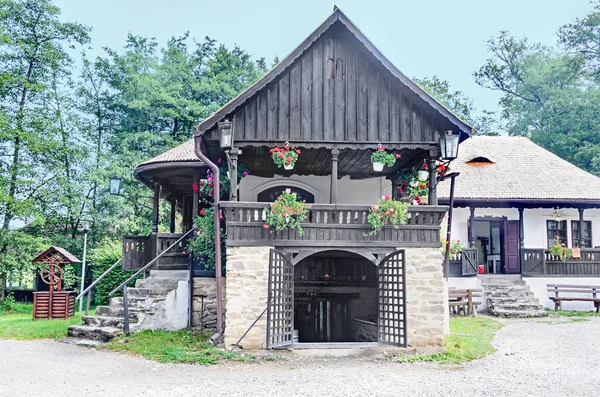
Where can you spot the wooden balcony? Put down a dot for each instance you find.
(332, 225)
(139, 250)
(539, 262)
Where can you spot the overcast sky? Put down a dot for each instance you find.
(446, 38)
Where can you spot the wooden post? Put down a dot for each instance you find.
(395, 186)
(172, 216)
(233, 175)
(196, 196)
(472, 228)
(184, 212)
(334, 175)
(432, 182)
(521, 237)
(155, 203)
(581, 223)
(470, 302)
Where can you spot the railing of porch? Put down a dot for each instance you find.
(139, 250)
(539, 262)
(332, 225)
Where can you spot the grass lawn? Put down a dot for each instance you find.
(19, 324)
(571, 313)
(470, 339)
(185, 346)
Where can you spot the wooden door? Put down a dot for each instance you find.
(392, 300)
(280, 308)
(511, 248)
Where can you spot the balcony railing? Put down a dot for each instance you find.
(539, 262)
(337, 225)
(139, 250)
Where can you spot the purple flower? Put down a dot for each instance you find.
(219, 161)
(210, 179)
(245, 173)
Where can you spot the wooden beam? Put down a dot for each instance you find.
(432, 182)
(581, 223)
(334, 175)
(155, 203)
(233, 174)
(471, 228)
(172, 215)
(196, 196)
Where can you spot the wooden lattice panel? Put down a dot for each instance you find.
(392, 300)
(280, 313)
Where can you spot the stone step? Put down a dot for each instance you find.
(115, 311)
(157, 283)
(502, 283)
(172, 274)
(512, 299)
(508, 294)
(174, 267)
(106, 321)
(517, 307)
(148, 292)
(518, 313)
(102, 334)
(82, 342)
(139, 302)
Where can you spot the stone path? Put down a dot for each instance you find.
(538, 357)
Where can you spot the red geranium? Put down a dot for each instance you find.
(195, 188)
(202, 211)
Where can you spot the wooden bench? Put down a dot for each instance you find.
(462, 300)
(588, 290)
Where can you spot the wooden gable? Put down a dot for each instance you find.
(335, 90)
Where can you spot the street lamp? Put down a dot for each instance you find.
(115, 185)
(226, 134)
(449, 145)
(85, 233)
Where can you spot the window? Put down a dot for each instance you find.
(269, 195)
(556, 228)
(586, 240)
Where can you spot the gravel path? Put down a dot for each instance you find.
(534, 358)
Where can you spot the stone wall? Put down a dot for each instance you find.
(206, 317)
(425, 297)
(247, 283)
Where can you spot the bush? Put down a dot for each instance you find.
(101, 259)
(7, 303)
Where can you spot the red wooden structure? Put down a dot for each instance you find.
(54, 303)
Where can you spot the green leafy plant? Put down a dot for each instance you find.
(286, 155)
(455, 247)
(202, 245)
(286, 213)
(7, 303)
(207, 186)
(387, 212)
(381, 156)
(560, 250)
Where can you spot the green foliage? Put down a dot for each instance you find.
(383, 157)
(560, 250)
(202, 245)
(387, 212)
(470, 339)
(102, 258)
(455, 247)
(286, 213)
(185, 346)
(6, 303)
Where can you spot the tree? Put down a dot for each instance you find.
(583, 37)
(459, 104)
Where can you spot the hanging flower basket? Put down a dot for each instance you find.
(386, 212)
(286, 213)
(381, 158)
(285, 156)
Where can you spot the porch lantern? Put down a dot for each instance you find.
(449, 145)
(115, 185)
(226, 134)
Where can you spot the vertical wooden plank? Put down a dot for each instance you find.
(384, 110)
(405, 117)
(250, 120)
(362, 100)
(317, 91)
(272, 111)
(283, 129)
(306, 105)
(261, 116)
(328, 89)
(340, 90)
(417, 124)
(238, 124)
(295, 100)
(427, 127)
(395, 116)
(373, 115)
(351, 88)
(437, 131)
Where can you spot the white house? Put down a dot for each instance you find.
(511, 199)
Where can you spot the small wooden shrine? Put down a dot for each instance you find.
(54, 303)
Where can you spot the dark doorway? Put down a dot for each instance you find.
(497, 244)
(269, 195)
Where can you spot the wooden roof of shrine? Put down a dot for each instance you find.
(335, 90)
(56, 255)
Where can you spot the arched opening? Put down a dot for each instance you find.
(270, 194)
(335, 298)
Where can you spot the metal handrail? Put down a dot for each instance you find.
(92, 285)
(150, 263)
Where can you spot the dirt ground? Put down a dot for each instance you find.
(534, 358)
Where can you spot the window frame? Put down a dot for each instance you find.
(574, 240)
(550, 240)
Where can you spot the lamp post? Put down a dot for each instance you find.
(225, 134)
(449, 145)
(85, 232)
(115, 185)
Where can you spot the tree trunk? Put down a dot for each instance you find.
(2, 286)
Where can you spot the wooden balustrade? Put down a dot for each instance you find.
(139, 250)
(332, 225)
(136, 251)
(539, 262)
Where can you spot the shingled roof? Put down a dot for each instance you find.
(183, 152)
(515, 169)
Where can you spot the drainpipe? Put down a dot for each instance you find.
(198, 150)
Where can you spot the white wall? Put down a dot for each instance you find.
(539, 287)
(534, 223)
(362, 191)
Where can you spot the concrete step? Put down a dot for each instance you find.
(172, 274)
(116, 311)
(102, 334)
(518, 313)
(501, 283)
(106, 321)
(139, 302)
(174, 267)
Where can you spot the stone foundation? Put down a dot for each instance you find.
(206, 317)
(425, 297)
(247, 293)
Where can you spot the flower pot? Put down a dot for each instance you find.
(414, 183)
(423, 175)
(378, 166)
(288, 166)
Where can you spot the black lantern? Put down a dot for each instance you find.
(449, 145)
(115, 185)
(226, 134)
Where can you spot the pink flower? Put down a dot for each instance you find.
(219, 161)
(397, 155)
(382, 148)
(289, 159)
(195, 187)
(385, 197)
(202, 212)
(280, 155)
(298, 151)
(245, 173)
(265, 226)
